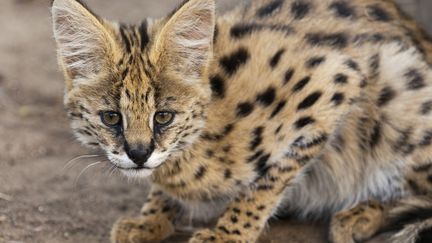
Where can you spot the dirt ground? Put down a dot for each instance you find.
(40, 200)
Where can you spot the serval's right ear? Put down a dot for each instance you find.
(85, 45)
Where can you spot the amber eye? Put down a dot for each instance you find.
(111, 118)
(164, 118)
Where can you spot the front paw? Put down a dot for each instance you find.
(209, 236)
(141, 230)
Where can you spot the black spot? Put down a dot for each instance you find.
(128, 94)
(269, 9)
(338, 98)
(236, 210)
(157, 193)
(374, 64)
(314, 62)
(341, 78)
(352, 65)
(386, 95)
(84, 132)
(125, 73)
(288, 76)
(125, 38)
(427, 138)
(217, 85)
(274, 61)
(247, 225)
(261, 207)
(234, 219)
(426, 107)
(223, 229)
(84, 110)
(226, 148)
(423, 167)
(166, 208)
(244, 109)
(256, 138)
(414, 187)
(263, 187)
(227, 174)
(304, 121)
(301, 84)
(343, 9)
(261, 166)
(278, 108)
(376, 37)
(336, 40)
(267, 97)
(302, 143)
(403, 144)
(300, 9)
(309, 101)
(241, 30)
(278, 129)
(234, 61)
(211, 136)
(200, 172)
(228, 129)
(376, 135)
(236, 232)
(215, 34)
(303, 160)
(145, 39)
(415, 79)
(378, 14)
(255, 156)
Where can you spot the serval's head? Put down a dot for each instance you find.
(138, 92)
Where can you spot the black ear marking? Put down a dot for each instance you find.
(144, 36)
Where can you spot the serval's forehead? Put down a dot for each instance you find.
(137, 92)
(135, 66)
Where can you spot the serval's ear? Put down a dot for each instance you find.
(184, 45)
(84, 43)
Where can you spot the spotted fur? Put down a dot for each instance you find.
(280, 105)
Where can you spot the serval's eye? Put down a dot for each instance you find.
(163, 118)
(111, 118)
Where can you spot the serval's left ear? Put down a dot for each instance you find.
(184, 45)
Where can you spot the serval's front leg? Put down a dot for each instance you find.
(246, 216)
(153, 225)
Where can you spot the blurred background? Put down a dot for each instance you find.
(40, 200)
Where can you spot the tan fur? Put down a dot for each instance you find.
(311, 106)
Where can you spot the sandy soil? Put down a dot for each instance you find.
(40, 200)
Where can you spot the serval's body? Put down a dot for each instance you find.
(316, 107)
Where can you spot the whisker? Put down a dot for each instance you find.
(108, 167)
(69, 165)
(85, 168)
(112, 170)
